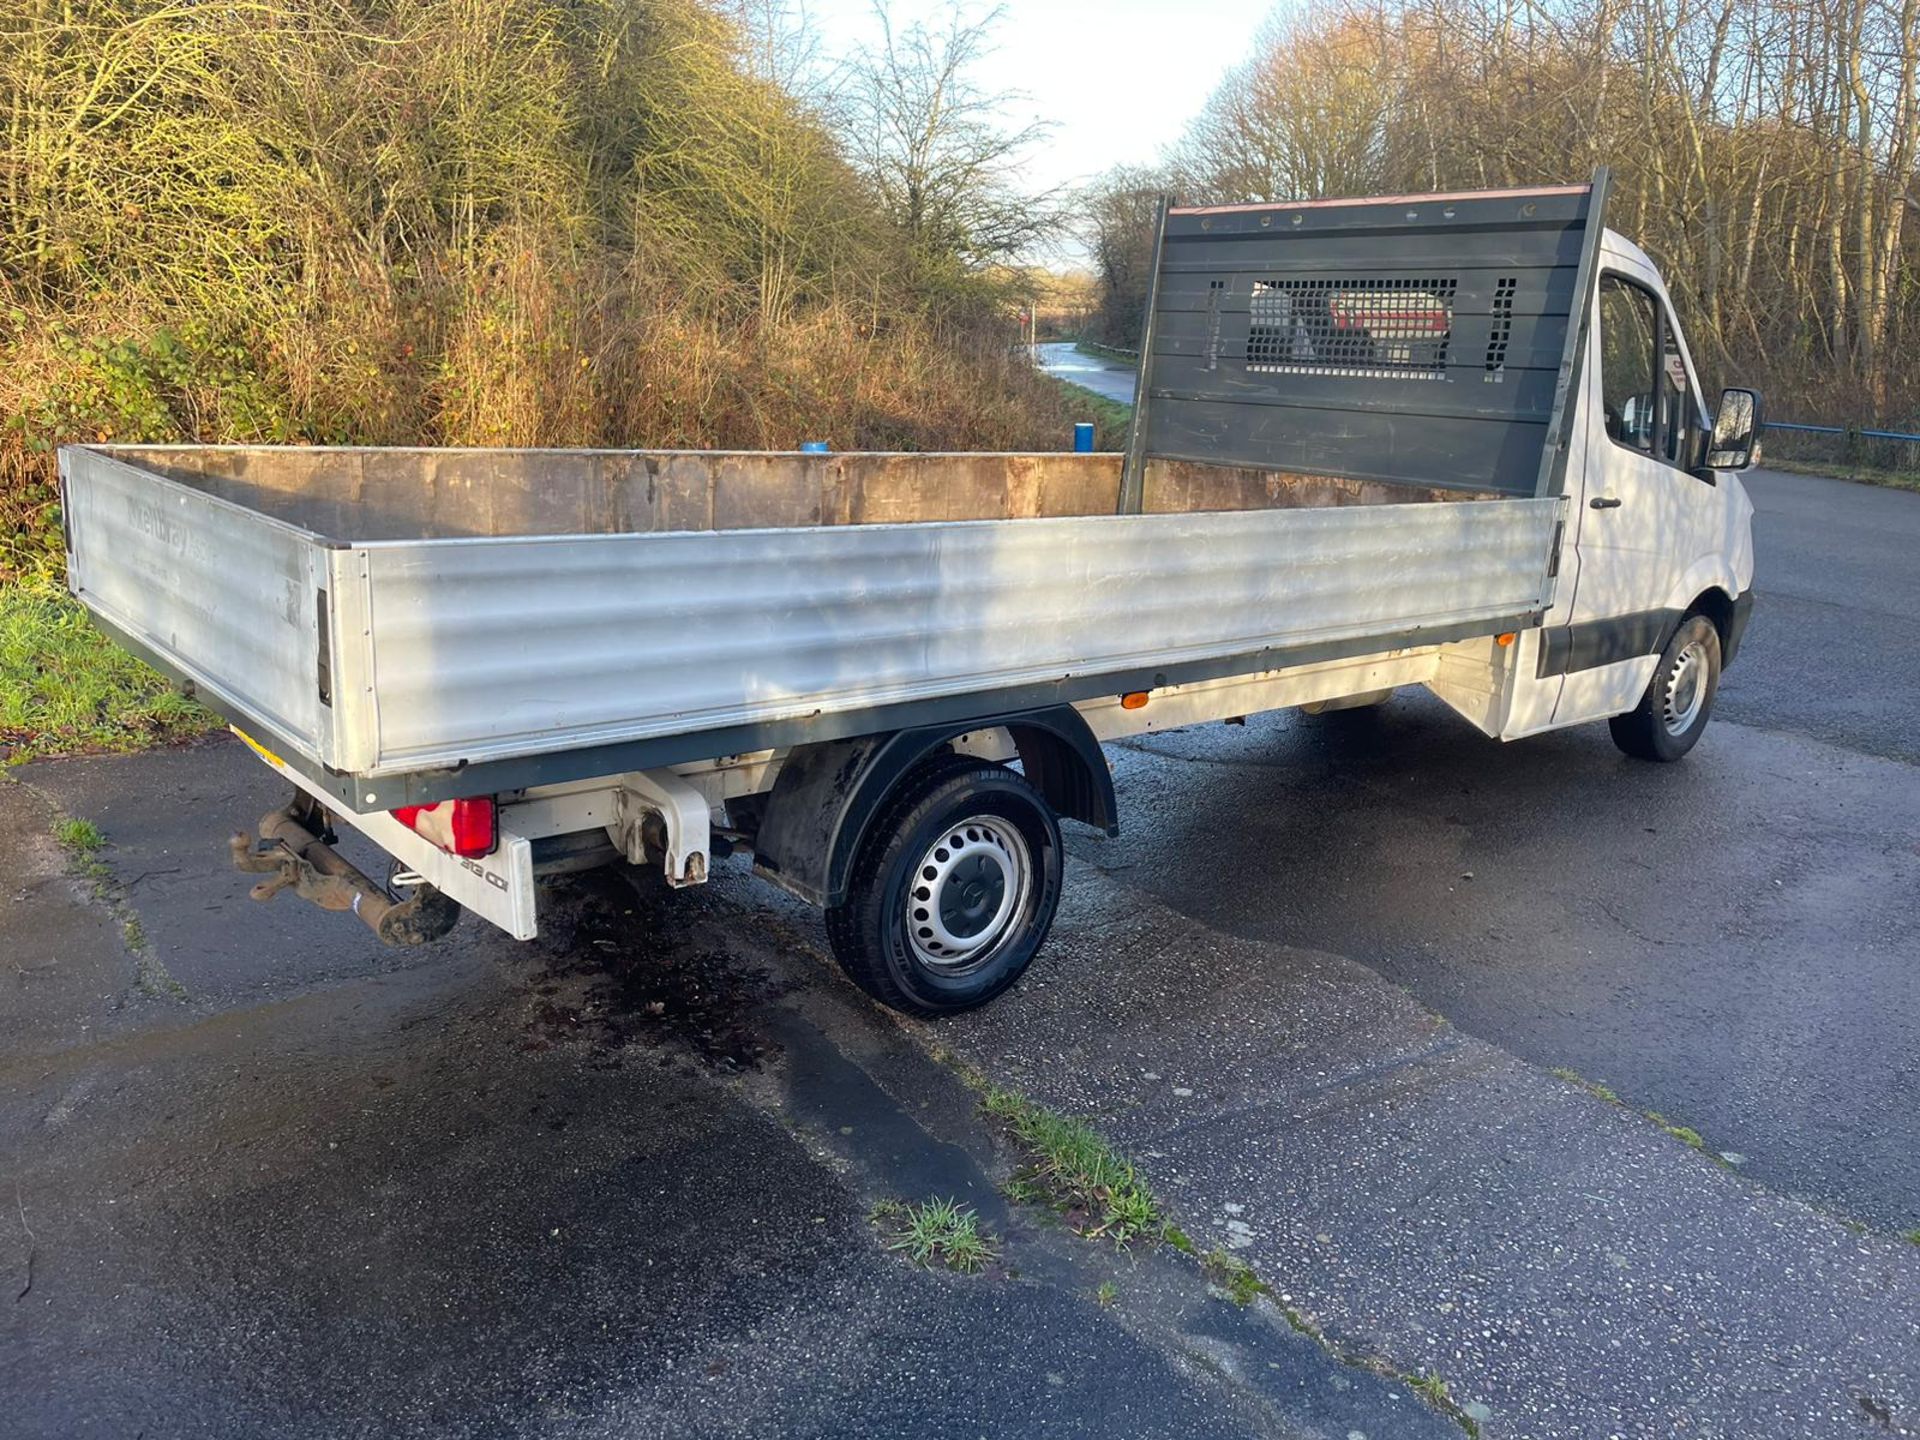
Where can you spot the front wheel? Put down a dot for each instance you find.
(1673, 712)
(952, 891)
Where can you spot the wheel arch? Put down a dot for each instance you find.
(828, 794)
(1714, 603)
(1728, 612)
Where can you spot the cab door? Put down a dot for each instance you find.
(1645, 512)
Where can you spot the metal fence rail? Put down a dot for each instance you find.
(1851, 445)
(1843, 430)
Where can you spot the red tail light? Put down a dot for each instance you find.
(468, 828)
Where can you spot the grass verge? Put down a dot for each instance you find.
(65, 688)
(1111, 419)
(1858, 474)
(934, 1233)
(1072, 1169)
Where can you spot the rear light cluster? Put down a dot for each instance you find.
(468, 828)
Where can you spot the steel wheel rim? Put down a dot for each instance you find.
(967, 891)
(1686, 691)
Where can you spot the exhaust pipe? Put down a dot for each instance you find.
(293, 856)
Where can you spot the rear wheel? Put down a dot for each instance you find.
(1679, 699)
(953, 889)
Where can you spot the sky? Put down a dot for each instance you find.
(1118, 78)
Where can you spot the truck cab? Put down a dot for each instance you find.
(1659, 524)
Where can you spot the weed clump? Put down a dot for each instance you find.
(1432, 1389)
(83, 842)
(82, 837)
(1592, 1087)
(1685, 1134)
(1234, 1276)
(1073, 1169)
(935, 1233)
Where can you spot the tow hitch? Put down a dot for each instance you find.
(293, 854)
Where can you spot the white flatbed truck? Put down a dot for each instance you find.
(1443, 440)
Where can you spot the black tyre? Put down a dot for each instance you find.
(1679, 699)
(953, 889)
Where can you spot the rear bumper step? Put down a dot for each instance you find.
(294, 857)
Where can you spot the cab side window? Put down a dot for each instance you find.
(1628, 387)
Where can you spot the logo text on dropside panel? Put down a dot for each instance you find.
(497, 881)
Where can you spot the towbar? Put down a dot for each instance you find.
(293, 856)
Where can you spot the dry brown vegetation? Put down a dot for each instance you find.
(516, 222)
(1764, 151)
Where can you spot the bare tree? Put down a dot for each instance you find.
(1766, 151)
(1304, 116)
(935, 144)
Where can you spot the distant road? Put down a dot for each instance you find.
(1834, 652)
(1109, 379)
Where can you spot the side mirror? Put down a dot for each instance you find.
(1736, 431)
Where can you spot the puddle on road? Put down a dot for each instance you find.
(901, 1154)
(623, 967)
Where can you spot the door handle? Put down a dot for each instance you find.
(1604, 502)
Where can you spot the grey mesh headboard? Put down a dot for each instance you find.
(1415, 338)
